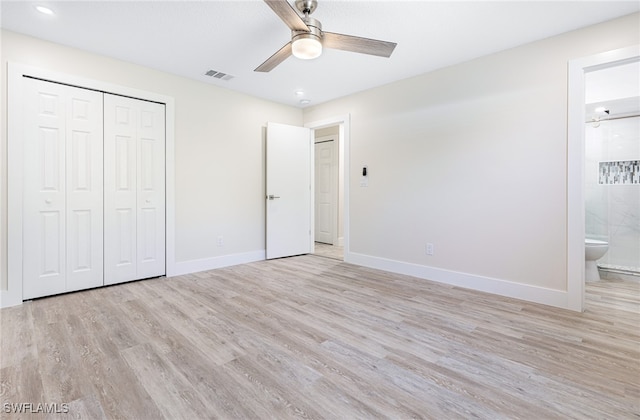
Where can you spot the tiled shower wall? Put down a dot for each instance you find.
(620, 172)
(613, 195)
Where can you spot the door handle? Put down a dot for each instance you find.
(272, 197)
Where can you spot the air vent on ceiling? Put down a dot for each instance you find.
(218, 75)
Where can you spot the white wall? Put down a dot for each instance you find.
(219, 152)
(471, 158)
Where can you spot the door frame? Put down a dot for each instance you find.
(13, 295)
(576, 162)
(344, 126)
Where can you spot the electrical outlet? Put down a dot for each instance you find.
(220, 240)
(429, 249)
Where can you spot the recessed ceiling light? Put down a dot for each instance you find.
(304, 102)
(45, 10)
(299, 92)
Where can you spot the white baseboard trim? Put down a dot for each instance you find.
(551, 297)
(8, 299)
(526, 292)
(204, 264)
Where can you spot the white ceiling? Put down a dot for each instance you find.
(188, 38)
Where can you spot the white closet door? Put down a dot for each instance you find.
(62, 226)
(134, 189)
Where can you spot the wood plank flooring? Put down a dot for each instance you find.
(313, 337)
(329, 251)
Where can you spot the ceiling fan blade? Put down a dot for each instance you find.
(357, 44)
(277, 58)
(287, 13)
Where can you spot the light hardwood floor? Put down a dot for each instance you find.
(314, 337)
(329, 251)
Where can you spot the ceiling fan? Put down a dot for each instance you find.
(308, 38)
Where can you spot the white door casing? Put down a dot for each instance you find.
(62, 189)
(288, 187)
(134, 189)
(325, 191)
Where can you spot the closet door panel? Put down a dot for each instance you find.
(44, 190)
(134, 189)
(84, 181)
(120, 183)
(151, 190)
(62, 195)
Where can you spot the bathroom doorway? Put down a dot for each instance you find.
(580, 71)
(612, 168)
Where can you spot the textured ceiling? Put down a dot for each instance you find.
(188, 38)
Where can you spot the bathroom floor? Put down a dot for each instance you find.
(618, 272)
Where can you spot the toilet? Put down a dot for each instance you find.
(593, 251)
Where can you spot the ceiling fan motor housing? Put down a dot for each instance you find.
(306, 6)
(315, 30)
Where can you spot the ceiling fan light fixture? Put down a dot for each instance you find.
(308, 39)
(306, 46)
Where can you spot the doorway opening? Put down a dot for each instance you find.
(612, 171)
(328, 193)
(331, 187)
(576, 232)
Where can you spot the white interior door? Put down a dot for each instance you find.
(62, 213)
(288, 188)
(325, 191)
(134, 189)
